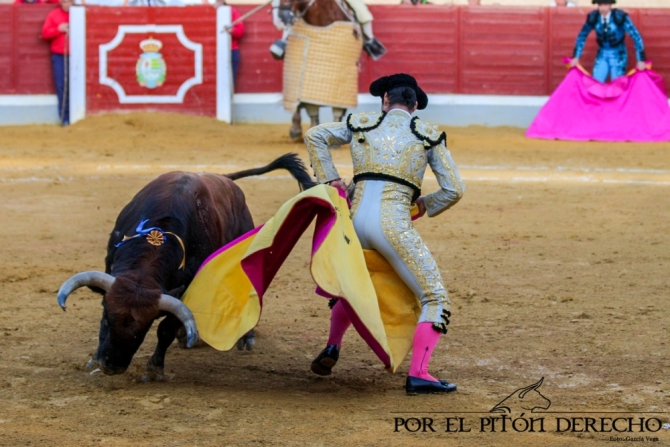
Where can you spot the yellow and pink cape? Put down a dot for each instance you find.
(226, 295)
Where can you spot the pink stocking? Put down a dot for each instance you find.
(425, 339)
(339, 323)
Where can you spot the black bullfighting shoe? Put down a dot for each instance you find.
(414, 385)
(324, 362)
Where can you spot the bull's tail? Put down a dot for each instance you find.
(291, 162)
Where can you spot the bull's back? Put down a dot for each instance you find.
(206, 210)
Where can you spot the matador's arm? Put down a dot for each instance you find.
(451, 186)
(637, 39)
(583, 34)
(318, 140)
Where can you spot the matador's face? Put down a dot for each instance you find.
(604, 8)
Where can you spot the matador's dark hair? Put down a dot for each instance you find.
(403, 96)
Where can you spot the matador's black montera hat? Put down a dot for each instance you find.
(386, 83)
(598, 2)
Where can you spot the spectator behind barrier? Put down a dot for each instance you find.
(236, 33)
(56, 29)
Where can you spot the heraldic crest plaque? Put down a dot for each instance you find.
(151, 69)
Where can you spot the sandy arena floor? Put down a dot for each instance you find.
(556, 261)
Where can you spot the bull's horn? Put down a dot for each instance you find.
(93, 279)
(172, 305)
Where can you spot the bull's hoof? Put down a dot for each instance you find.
(248, 341)
(181, 338)
(295, 134)
(153, 373)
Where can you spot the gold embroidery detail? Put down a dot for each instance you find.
(317, 140)
(442, 154)
(391, 149)
(398, 230)
(364, 120)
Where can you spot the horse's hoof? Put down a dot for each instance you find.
(295, 135)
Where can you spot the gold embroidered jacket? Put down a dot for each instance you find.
(387, 145)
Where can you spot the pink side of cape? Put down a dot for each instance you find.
(228, 245)
(631, 108)
(262, 266)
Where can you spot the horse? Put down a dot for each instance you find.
(315, 13)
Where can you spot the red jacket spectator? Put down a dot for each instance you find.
(51, 32)
(238, 29)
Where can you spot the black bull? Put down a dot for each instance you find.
(192, 215)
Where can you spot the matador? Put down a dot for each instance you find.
(390, 151)
(611, 26)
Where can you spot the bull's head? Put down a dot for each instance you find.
(129, 310)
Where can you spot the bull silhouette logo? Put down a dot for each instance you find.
(522, 400)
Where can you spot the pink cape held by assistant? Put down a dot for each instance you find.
(630, 108)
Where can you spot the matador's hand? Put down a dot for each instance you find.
(641, 65)
(422, 207)
(339, 184)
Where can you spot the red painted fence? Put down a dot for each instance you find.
(25, 65)
(199, 25)
(470, 50)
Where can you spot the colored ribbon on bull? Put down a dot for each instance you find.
(226, 295)
(155, 236)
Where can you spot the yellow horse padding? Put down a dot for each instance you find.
(225, 306)
(321, 65)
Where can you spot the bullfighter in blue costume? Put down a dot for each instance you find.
(611, 26)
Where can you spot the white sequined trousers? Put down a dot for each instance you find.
(381, 215)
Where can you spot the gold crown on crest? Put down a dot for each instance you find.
(151, 45)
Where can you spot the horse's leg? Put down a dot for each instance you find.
(337, 117)
(295, 133)
(338, 114)
(313, 112)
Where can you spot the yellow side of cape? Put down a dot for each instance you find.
(223, 302)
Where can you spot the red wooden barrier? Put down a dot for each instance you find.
(471, 50)
(199, 24)
(25, 65)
